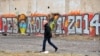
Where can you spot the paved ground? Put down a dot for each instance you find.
(33, 43)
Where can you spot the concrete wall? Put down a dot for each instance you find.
(41, 6)
(13, 6)
(54, 6)
(82, 5)
(31, 6)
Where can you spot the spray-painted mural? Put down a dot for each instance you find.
(60, 24)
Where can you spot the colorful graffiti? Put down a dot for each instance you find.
(22, 24)
(68, 24)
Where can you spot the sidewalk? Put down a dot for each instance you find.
(68, 46)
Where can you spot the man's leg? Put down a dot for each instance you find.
(49, 41)
(44, 44)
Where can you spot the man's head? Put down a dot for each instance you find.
(45, 22)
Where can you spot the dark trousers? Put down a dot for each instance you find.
(49, 41)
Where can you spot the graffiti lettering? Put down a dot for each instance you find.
(86, 24)
(4, 26)
(35, 24)
(79, 24)
(71, 27)
(59, 25)
(95, 23)
(15, 25)
(9, 25)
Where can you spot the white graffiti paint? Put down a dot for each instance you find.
(95, 23)
(86, 29)
(78, 24)
(71, 27)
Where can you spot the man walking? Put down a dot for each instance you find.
(47, 36)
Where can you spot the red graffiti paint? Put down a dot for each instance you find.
(92, 29)
(5, 28)
(65, 26)
(0, 24)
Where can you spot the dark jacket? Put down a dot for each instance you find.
(47, 31)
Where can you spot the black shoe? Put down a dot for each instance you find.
(56, 49)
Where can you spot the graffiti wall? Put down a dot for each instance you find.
(88, 24)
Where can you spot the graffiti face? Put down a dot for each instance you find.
(22, 17)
